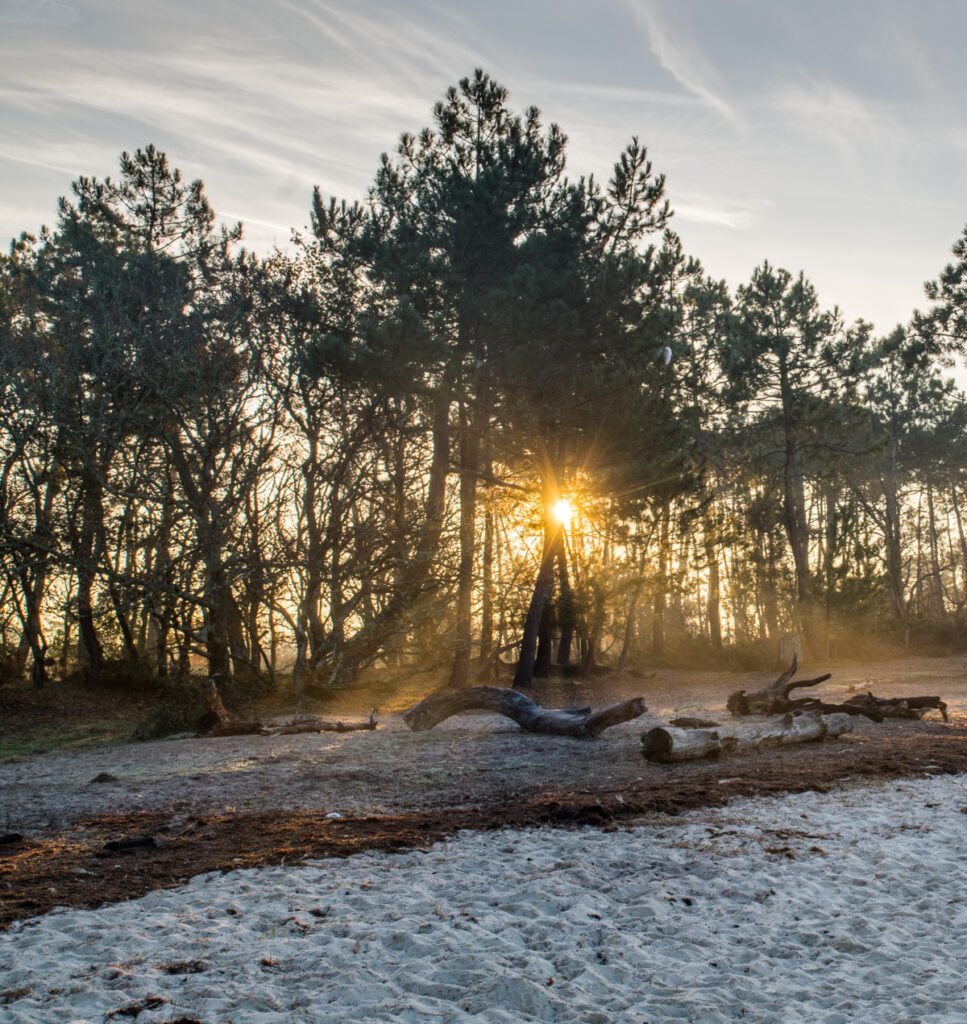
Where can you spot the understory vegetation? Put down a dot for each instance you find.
(492, 413)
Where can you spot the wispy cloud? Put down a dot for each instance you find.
(309, 93)
(842, 118)
(680, 57)
(737, 214)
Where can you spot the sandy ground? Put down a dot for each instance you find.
(834, 908)
(468, 760)
(219, 804)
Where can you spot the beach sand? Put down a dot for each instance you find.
(848, 906)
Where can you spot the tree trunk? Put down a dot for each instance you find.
(713, 605)
(936, 583)
(216, 614)
(487, 590)
(524, 674)
(961, 537)
(469, 458)
(527, 663)
(775, 699)
(892, 537)
(565, 603)
(530, 716)
(900, 707)
(658, 619)
(668, 744)
(87, 557)
(630, 623)
(797, 531)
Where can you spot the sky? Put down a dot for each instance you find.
(827, 137)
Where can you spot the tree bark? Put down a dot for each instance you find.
(658, 619)
(775, 699)
(713, 605)
(668, 744)
(936, 582)
(469, 458)
(629, 630)
(543, 586)
(529, 715)
(900, 707)
(487, 590)
(565, 603)
(312, 724)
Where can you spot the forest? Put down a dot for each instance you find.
(489, 417)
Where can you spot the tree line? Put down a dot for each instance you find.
(354, 452)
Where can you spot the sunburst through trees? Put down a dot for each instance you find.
(491, 412)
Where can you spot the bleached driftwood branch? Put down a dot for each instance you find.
(668, 743)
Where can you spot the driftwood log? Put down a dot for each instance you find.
(775, 699)
(900, 707)
(310, 723)
(667, 744)
(528, 714)
(218, 721)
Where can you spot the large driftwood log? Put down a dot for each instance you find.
(528, 714)
(900, 707)
(666, 744)
(775, 699)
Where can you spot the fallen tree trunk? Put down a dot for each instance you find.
(667, 744)
(775, 699)
(528, 714)
(313, 724)
(900, 707)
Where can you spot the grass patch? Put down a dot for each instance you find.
(64, 716)
(105, 734)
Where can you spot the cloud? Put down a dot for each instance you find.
(680, 57)
(274, 99)
(303, 93)
(38, 12)
(840, 117)
(738, 214)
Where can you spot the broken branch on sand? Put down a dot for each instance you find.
(311, 723)
(900, 707)
(216, 721)
(527, 713)
(775, 699)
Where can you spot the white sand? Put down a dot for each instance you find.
(858, 915)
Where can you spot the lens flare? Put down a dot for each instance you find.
(563, 512)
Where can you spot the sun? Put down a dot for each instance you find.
(563, 512)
